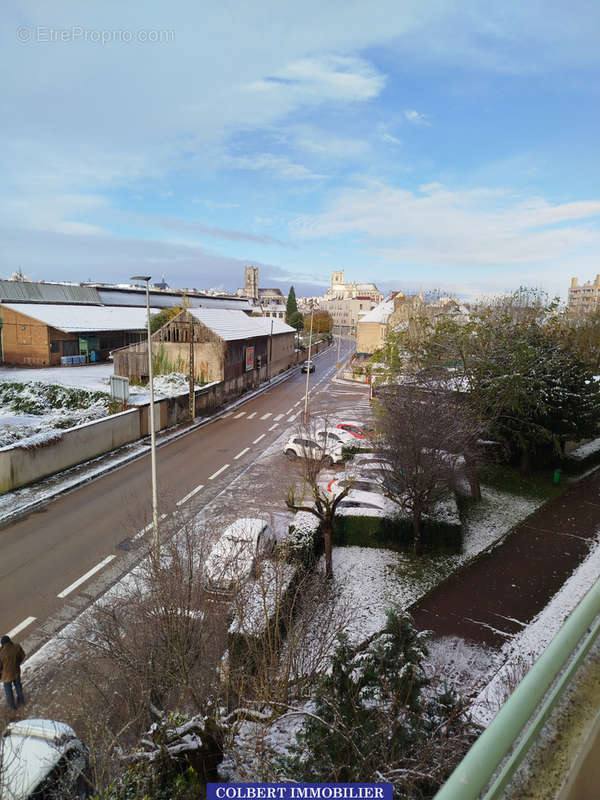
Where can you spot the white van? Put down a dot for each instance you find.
(43, 758)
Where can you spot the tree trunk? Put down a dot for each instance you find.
(417, 542)
(473, 479)
(328, 557)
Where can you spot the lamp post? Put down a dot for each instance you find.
(305, 416)
(152, 434)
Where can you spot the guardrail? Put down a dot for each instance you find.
(494, 758)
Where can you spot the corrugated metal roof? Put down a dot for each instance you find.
(279, 326)
(133, 297)
(26, 292)
(228, 324)
(79, 319)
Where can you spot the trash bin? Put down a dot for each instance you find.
(557, 474)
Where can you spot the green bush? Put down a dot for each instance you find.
(396, 533)
(574, 462)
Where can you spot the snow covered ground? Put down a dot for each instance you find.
(17, 422)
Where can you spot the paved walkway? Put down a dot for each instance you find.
(500, 593)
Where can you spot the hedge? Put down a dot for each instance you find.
(396, 533)
(584, 457)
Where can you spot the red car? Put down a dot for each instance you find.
(355, 429)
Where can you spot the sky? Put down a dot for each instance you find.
(439, 144)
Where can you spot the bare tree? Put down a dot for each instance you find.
(311, 495)
(428, 438)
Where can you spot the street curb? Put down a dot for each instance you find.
(144, 447)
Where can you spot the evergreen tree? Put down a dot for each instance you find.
(291, 307)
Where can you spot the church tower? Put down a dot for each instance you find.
(251, 282)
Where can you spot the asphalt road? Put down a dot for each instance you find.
(57, 552)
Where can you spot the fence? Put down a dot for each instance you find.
(494, 758)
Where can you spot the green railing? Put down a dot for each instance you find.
(494, 758)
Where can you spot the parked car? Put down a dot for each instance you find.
(356, 481)
(357, 501)
(235, 556)
(308, 366)
(42, 758)
(336, 437)
(356, 429)
(305, 446)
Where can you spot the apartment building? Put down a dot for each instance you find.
(585, 297)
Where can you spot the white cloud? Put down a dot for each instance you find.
(280, 166)
(470, 227)
(387, 137)
(416, 117)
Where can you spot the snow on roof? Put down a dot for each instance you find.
(279, 326)
(74, 319)
(231, 325)
(380, 313)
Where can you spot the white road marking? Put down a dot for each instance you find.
(241, 414)
(291, 419)
(289, 411)
(296, 404)
(253, 414)
(190, 494)
(218, 472)
(228, 414)
(262, 436)
(241, 453)
(21, 626)
(84, 578)
(272, 428)
(278, 417)
(267, 415)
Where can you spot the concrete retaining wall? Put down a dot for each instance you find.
(20, 465)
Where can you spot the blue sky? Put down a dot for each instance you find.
(448, 145)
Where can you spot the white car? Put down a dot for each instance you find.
(305, 446)
(43, 758)
(336, 437)
(369, 503)
(234, 557)
(355, 481)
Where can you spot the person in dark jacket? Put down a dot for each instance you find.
(11, 657)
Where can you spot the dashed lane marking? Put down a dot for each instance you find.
(218, 472)
(262, 436)
(241, 414)
(278, 417)
(241, 453)
(21, 626)
(189, 494)
(289, 411)
(250, 416)
(267, 415)
(85, 577)
(272, 428)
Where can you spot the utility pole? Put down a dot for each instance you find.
(192, 383)
(270, 352)
(152, 433)
(305, 416)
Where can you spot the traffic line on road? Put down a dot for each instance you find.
(147, 528)
(253, 414)
(228, 414)
(267, 415)
(84, 578)
(241, 453)
(21, 626)
(189, 494)
(293, 417)
(241, 414)
(278, 417)
(262, 436)
(272, 428)
(218, 472)
(296, 404)
(289, 411)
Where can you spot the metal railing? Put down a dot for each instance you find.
(494, 758)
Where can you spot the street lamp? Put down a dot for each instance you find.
(152, 434)
(308, 366)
